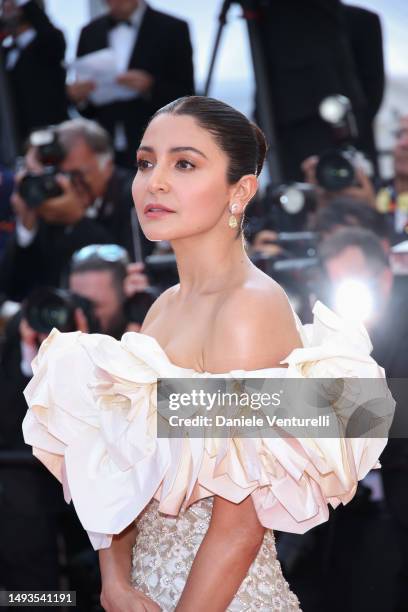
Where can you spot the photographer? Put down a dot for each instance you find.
(94, 205)
(104, 291)
(105, 294)
(359, 284)
(33, 51)
(390, 199)
(118, 291)
(32, 512)
(362, 190)
(357, 253)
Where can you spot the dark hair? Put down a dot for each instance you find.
(345, 211)
(97, 264)
(242, 141)
(359, 237)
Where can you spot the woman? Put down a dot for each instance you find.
(203, 538)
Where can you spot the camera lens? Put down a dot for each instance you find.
(46, 308)
(31, 190)
(334, 171)
(36, 188)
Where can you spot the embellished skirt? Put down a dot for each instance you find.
(165, 549)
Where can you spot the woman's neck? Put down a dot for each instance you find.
(209, 265)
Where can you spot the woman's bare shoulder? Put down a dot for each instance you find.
(254, 328)
(261, 291)
(159, 306)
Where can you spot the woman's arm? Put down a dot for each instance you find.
(118, 594)
(255, 329)
(115, 561)
(225, 555)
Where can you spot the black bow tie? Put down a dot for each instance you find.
(112, 22)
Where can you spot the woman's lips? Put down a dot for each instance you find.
(156, 211)
(157, 214)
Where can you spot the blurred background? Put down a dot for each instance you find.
(327, 81)
(233, 79)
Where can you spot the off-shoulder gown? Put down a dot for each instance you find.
(92, 422)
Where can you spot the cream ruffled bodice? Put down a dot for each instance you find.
(92, 422)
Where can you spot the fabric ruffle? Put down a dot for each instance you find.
(92, 422)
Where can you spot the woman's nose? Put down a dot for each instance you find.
(158, 180)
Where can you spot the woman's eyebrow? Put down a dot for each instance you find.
(174, 150)
(180, 149)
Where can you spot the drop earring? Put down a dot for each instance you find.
(232, 221)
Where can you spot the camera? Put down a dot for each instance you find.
(137, 306)
(335, 169)
(286, 206)
(46, 308)
(162, 270)
(36, 188)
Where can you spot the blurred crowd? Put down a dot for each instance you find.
(72, 254)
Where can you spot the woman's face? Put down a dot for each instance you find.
(180, 167)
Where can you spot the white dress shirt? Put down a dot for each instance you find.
(21, 41)
(122, 40)
(24, 236)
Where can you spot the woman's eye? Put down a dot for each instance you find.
(184, 164)
(142, 164)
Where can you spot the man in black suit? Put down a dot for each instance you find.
(96, 208)
(33, 51)
(315, 49)
(154, 59)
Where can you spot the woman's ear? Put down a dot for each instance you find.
(244, 190)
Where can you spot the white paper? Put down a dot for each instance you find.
(101, 67)
(401, 247)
